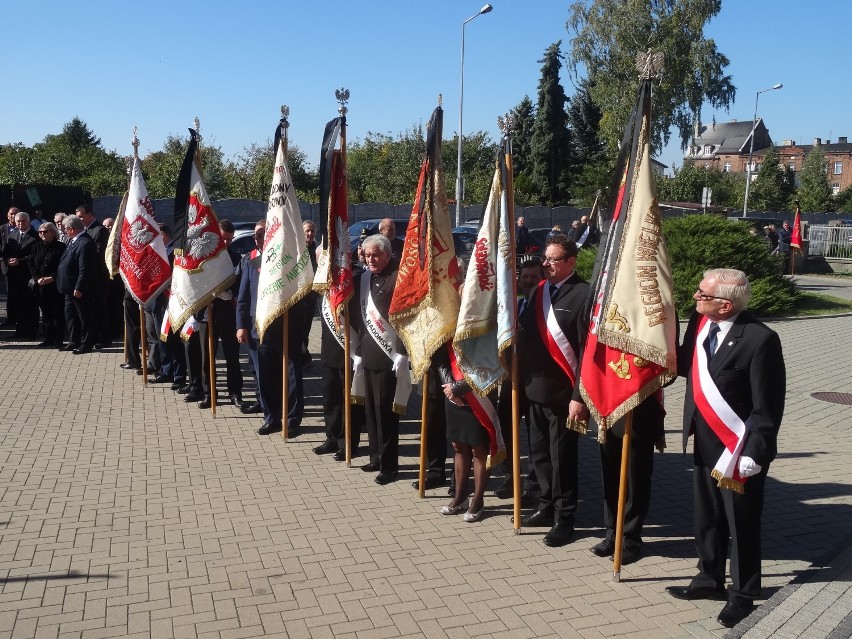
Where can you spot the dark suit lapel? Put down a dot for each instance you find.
(724, 350)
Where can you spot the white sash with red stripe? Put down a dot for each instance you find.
(485, 412)
(556, 341)
(723, 421)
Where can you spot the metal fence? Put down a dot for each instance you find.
(830, 241)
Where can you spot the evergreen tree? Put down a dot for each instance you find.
(584, 120)
(769, 191)
(524, 115)
(79, 136)
(814, 190)
(551, 140)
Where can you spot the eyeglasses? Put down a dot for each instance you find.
(701, 295)
(553, 260)
(42, 232)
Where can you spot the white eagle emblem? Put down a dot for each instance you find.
(199, 244)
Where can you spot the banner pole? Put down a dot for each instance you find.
(285, 407)
(424, 436)
(211, 349)
(144, 345)
(347, 388)
(622, 497)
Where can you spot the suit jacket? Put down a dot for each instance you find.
(544, 381)
(748, 370)
(382, 287)
(20, 248)
(78, 266)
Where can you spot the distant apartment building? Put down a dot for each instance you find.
(725, 146)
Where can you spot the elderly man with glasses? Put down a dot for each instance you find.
(16, 251)
(733, 406)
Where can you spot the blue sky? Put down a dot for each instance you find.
(158, 64)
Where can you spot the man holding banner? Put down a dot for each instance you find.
(733, 405)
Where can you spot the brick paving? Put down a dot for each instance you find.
(125, 512)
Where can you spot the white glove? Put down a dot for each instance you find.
(400, 363)
(356, 364)
(748, 467)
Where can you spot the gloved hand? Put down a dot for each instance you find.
(356, 364)
(400, 363)
(748, 467)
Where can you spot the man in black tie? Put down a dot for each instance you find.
(98, 293)
(733, 405)
(75, 278)
(553, 327)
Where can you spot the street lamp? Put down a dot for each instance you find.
(486, 9)
(751, 144)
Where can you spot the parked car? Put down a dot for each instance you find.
(243, 241)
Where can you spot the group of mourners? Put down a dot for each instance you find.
(733, 365)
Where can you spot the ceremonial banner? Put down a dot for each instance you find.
(144, 266)
(796, 235)
(286, 273)
(334, 269)
(487, 321)
(425, 304)
(202, 267)
(112, 256)
(630, 350)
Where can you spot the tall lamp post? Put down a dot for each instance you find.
(751, 145)
(485, 9)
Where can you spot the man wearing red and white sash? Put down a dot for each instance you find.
(553, 326)
(733, 405)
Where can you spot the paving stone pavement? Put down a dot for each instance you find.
(126, 512)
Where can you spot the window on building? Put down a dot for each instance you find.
(727, 167)
(835, 188)
(838, 168)
(708, 149)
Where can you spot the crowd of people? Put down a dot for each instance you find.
(732, 362)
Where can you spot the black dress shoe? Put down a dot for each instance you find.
(559, 535)
(605, 548)
(183, 390)
(268, 429)
(236, 400)
(85, 348)
(204, 403)
(371, 467)
(193, 396)
(734, 612)
(630, 552)
(249, 409)
(340, 455)
(506, 489)
(328, 446)
(431, 482)
(176, 386)
(538, 518)
(126, 366)
(701, 592)
(161, 379)
(45, 344)
(150, 371)
(386, 478)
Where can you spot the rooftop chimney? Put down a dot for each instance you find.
(842, 140)
(817, 141)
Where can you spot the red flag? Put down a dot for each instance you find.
(630, 350)
(796, 236)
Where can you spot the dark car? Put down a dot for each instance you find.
(371, 227)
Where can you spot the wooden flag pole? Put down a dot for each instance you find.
(424, 436)
(516, 440)
(347, 388)
(211, 350)
(144, 343)
(622, 497)
(285, 386)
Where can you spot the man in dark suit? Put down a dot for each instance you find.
(735, 393)
(100, 235)
(76, 279)
(16, 250)
(554, 326)
(7, 231)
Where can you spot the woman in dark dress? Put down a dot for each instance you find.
(472, 442)
(43, 263)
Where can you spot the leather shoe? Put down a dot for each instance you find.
(68, 347)
(160, 379)
(85, 348)
(431, 482)
(150, 371)
(204, 403)
(506, 489)
(386, 478)
(236, 400)
(538, 518)
(249, 409)
(193, 396)
(176, 386)
(370, 467)
(268, 429)
(183, 390)
(125, 365)
(688, 593)
(326, 447)
(605, 548)
(734, 612)
(630, 552)
(559, 535)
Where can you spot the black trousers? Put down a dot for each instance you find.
(332, 410)
(192, 348)
(224, 331)
(723, 516)
(553, 451)
(436, 436)
(270, 358)
(52, 304)
(26, 303)
(504, 414)
(134, 338)
(382, 422)
(641, 466)
(79, 316)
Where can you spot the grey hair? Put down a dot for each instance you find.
(732, 285)
(378, 241)
(20, 215)
(73, 222)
